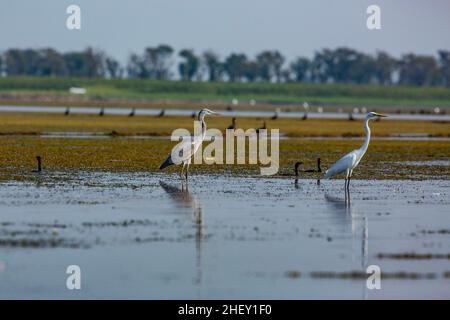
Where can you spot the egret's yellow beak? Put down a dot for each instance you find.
(381, 115)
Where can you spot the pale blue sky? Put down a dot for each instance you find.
(294, 27)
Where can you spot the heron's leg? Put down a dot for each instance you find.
(182, 169)
(187, 168)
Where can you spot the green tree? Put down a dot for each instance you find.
(234, 66)
(88, 63)
(444, 61)
(213, 65)
(385, 67)
(418, 70)
(251, 71)
(157, 62)
(113, 68)
(300, 68)
(188, 68)
(136, 67)
(270, 65)
(52, 63)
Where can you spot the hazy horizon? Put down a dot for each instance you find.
(295, 28)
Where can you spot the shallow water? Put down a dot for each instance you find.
(444, 163)
(233, 113)
(143, 236)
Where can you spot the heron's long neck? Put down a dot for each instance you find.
(367, 140)
(203, 129)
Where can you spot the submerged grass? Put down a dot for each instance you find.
(383, 160)
(21, 140)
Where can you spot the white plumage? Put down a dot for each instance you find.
(351, 160)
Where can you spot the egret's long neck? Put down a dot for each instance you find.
(367, 140)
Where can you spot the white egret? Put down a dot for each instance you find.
(187, 149)
(349, 162)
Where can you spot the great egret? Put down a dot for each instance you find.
(187, 149)
(349, 162)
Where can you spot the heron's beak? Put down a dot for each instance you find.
(215, 113)
(381, 115)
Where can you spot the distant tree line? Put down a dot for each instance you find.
(341, 65)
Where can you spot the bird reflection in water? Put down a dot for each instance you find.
(187, 201)
(359, 228)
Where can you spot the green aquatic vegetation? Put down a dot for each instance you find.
(384, 159)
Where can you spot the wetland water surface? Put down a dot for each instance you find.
(146, 236)
(234, 113)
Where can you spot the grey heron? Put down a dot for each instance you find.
(187, 149)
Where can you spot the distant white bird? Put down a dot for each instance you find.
(349, 162)
(187, 149)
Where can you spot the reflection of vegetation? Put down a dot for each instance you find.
(42, 90)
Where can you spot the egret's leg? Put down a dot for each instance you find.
(349, 178)
(345, 190)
